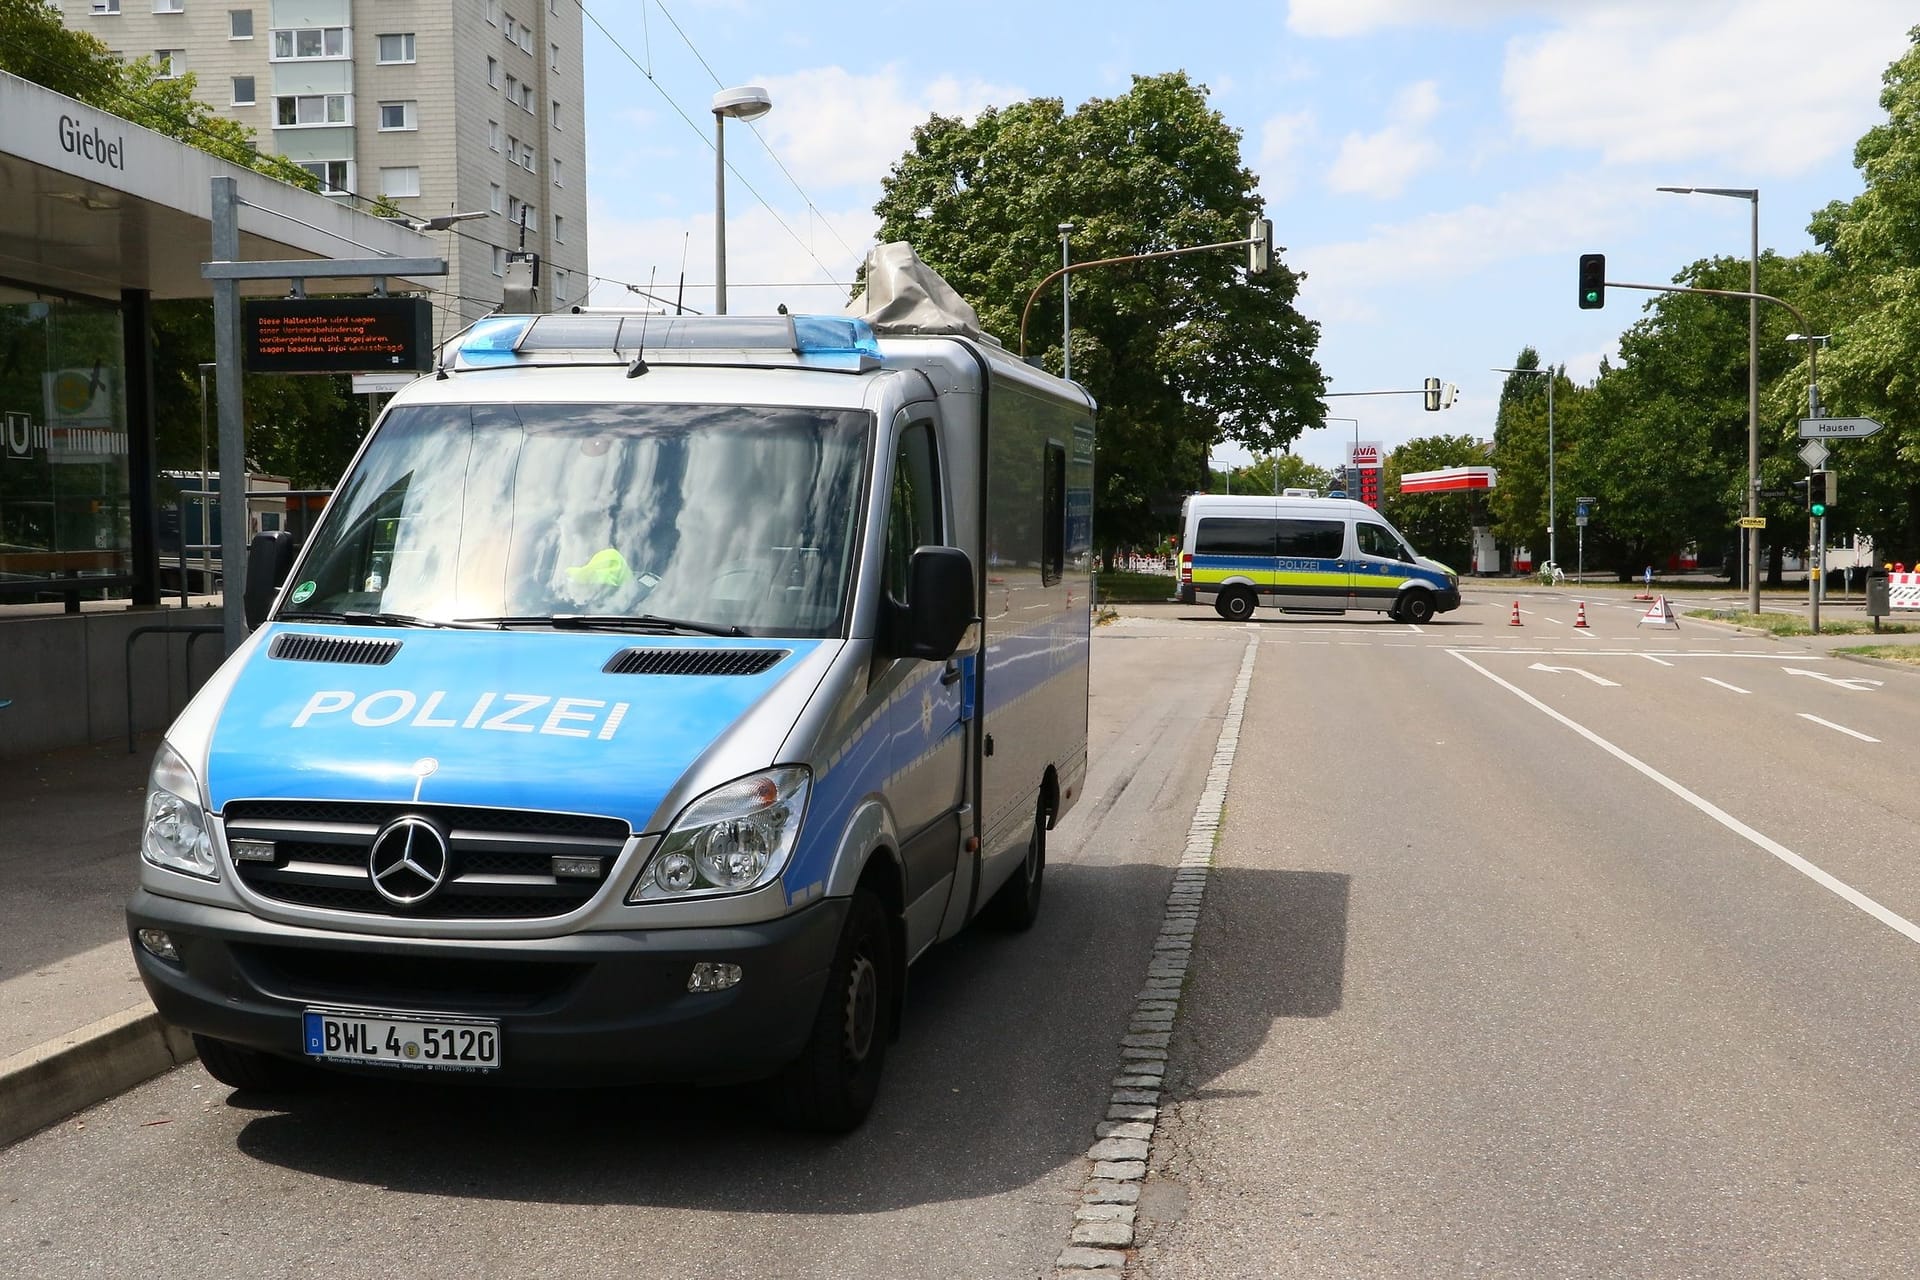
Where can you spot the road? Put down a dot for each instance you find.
(1527, 951)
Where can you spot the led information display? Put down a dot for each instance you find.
(337, 335)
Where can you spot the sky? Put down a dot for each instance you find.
(1434, 167)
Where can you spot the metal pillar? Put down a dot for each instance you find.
(136, 343)
(232, 429)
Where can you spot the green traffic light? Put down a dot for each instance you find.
(1819, 508)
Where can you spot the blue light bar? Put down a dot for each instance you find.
(834, 335)
(492, 341)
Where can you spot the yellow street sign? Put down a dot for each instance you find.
(1753, 522)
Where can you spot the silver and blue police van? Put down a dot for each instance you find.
(652, 692)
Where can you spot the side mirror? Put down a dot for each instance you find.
(940, 603)
(269, 557)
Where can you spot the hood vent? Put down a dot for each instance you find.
(292, 647)
(693, 662)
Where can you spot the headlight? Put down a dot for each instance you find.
(734, 838)
(175, 834)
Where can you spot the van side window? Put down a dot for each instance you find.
(1053, 513)
(1232, 536)
(1312, 539)
(913, 509)
(1378, 540)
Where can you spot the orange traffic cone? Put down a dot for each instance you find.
(1580, 619)
(1515, 620)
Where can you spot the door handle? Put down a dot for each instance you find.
(951, 674)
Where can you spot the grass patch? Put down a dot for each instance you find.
(1792, 624)
(1907, 653)
(1120, 587)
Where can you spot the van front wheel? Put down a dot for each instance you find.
(1417, 608)
(832, 1085)
(1234, 604)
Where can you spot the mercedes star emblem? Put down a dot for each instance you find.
(408, 861)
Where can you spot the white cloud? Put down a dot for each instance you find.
(1281, 139)
(1358, 17)
(834, 128)
(1757, 87)
(1381, 164)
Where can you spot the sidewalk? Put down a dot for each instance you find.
(75, 1024)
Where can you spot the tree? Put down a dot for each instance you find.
(1179, 353)
(1870, 286)
(1272, 474)
(1439, 525)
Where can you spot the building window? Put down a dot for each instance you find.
(106, 8)
(553, 57)
(499, 261)
(400, 182)
(171, 63)
(513, 88)
(493, 135)
(397, 115)
(513, 149)
(513, 209)
(239, 24)
(510, 27)
(556, 115)
(559, 284)
(559, 229)
(293, 111)
(493, 73)
(336, 176)
(556, 173)
(169, 6)
(526, 98)
(493, 12)
(493, 196)
(297, 43)
(397, 48)
(243, 91)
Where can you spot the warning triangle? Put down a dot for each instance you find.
(1660, 613)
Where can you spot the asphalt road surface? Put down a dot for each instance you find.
(1527, 951)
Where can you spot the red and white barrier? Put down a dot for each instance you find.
(1903, 590)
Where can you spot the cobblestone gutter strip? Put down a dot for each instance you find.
(1103, 1224)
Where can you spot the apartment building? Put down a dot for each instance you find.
(439, 106)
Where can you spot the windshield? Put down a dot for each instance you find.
(721, 515)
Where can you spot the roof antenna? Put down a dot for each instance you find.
(639, 365)
(681, 296)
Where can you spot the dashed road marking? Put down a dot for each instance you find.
(1852, 733)
(1724, 685)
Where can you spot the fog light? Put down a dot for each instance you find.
(252, 850)
(710, 976)
(159, 944)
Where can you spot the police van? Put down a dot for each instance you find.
(652, 692)
(1305, 555)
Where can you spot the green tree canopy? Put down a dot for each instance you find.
(1274, 473)
(1440, 525)
(1180, 353)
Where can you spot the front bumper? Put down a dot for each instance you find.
(584, 1009)
(1446, 600)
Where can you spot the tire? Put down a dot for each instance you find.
(1235, 604)
(831, 1086)
(1017, 904)
(249, 1070)
(1417, 608)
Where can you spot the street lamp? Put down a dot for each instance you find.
(1553, 510)
(441, 222)
(746, 102)
(1066, 305)
(1753, 378)
(206, 563)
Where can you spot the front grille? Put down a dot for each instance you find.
(352, 976)
(499, 861)
(291, 646)
(693, 662)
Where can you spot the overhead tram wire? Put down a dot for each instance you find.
(704, 139)
(718, 83)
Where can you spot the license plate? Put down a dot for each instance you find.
(384, 1039)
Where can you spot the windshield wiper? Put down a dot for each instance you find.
(607, 622)
(357, 618)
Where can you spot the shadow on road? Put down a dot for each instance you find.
(997, 1080)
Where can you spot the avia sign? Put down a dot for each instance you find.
(1365, 454)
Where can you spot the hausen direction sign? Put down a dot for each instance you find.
(1837, 428)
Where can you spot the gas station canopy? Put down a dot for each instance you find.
(1448, 480)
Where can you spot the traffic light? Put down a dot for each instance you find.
(1593, 281)
(1432, 388)
(1260, 252)
(1822, 492)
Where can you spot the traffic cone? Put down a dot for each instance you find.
(1515, 620)
(1580, 619)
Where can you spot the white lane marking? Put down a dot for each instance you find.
(1415, 628)
(1635, 653)
(1611, 684)
(1662, 661)
(1724, 685)
(1834, 885)
(1556, 622)
(1852, 733)
(1856, 683)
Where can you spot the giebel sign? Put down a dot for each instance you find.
(89, 143)
(338, 335)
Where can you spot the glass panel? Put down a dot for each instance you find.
(1312, 539)
(336, 42)
(913, 510)
(63, 442)
(725, 514)
(1224, 536)
(306, 44)
(240, 24)
(243, 91)
(283, 44)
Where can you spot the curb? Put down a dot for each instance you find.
(49, 1082)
